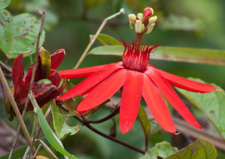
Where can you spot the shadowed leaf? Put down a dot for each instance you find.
(144, 121)
(201, 149)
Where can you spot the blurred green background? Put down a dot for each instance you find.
(182, 23)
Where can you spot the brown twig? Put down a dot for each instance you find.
(115, 112)
(32, 79)
(115, 139)
(16, 110)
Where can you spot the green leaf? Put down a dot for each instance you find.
(108, 50)
(174, 22)
(163, 149)
(4, 4)
(60, 125)
(212, 104)
(107, 40)
(18, 34)
(144, 121)
(50, 136)
(201, 149)
(203, 56)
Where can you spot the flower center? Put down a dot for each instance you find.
(136, 59)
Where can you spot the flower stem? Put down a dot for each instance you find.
(114, 139)
(116, 111)
(92, 40)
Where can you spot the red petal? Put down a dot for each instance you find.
(131, 97)
(103, 91)
(172, 97)
(91, 81)
(186, 83)
(56, 58)
(80, 72)
(157, 105)
(17, 74)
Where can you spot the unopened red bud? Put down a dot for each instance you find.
(148, 11)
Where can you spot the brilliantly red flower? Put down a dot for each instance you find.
(43, 91)
(138, 79)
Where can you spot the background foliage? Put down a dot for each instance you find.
(189, 24)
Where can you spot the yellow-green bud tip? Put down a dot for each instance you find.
(152, 19)
(131, 17)
(138, 26)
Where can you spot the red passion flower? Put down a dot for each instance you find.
(43, 92)
(138, 79)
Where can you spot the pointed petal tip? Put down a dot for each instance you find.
(58, 99)
(199, 127)
(125, 127)
(124, 131)
(176, 133)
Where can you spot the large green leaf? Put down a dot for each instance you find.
(203, 56)
(163, 149)
(201, 149)
(60, 125)
(212, 104)
(4, 4)
(50, 136)
(18, 34)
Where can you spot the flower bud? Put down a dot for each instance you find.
(138, 26)
(140, 16)
(131, 17)
(152, 20)
(148, 11)
(150, 28)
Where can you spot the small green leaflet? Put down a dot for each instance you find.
(107, 40)
(60, 125)
(163, 149)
